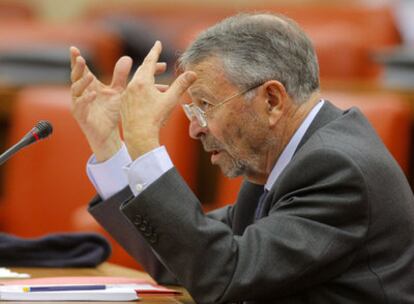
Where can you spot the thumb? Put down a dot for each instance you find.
(121, 72)
(181, 84)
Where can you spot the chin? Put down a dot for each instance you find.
(231, 167)
(232, 172)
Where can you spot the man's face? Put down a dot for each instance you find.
(236, 134)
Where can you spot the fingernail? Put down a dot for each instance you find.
(190, 77)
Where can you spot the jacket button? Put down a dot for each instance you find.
(149, 232)
(142, 227)
(137, 220)
(153, 239)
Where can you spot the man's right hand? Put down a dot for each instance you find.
(96, 106)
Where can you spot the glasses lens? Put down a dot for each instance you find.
(188, 111)
(192, 111)
(199, 114)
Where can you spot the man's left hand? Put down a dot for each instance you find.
(145, 108)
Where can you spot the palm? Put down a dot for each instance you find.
(102, 114)
(96, 106)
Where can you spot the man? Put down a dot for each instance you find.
(325, 214)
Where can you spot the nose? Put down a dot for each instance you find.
(195, 130)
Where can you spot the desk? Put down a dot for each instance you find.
(105, 269)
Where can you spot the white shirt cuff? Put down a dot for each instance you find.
(108, 176)
(147, 168)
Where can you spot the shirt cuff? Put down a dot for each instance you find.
(108, 176)
(147, 168)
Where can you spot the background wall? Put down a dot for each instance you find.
(63, 10)
(34, 85)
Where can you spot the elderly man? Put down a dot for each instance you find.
(325, 214)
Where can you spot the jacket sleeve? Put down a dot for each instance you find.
(310, 235)
(108, 214)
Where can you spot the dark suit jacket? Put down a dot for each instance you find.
(339, 227)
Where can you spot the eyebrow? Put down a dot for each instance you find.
(201, 94)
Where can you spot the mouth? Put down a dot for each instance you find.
(214, 156)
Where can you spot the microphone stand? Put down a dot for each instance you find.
(42, 130)
(11, 151)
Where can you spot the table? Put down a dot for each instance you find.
(105, 269)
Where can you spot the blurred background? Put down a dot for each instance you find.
(365, 49)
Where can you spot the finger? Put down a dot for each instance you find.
(162, 87)
(74, 52)
(160, 68)
(80, 107)
(121, 72)
(181, 84)
(78, 69)
(148, 67)
(80, 86)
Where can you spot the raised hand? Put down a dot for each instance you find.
(145, 107)
(96, 106)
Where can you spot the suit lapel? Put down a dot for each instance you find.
(249, 194)
(327, 113)
(245, 207)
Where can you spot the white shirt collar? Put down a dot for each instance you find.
(290, 149)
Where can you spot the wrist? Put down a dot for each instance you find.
(108, 148)
(138, 146)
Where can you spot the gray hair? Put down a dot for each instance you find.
(255, 48)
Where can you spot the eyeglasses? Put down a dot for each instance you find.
(191, 110)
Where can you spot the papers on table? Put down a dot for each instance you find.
(6, 273)
(110, 293)
(79, 289)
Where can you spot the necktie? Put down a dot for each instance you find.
(260, 206)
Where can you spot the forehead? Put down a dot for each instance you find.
(210, 78)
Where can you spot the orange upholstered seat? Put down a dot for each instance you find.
(13, 10)
(46, 187)
(389, 114)
(29, 37)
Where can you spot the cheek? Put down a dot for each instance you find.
(247, 134)
(223, 128)
(232, 136)
(231, 129)
(215, 131)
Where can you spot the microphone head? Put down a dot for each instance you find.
(42, 129)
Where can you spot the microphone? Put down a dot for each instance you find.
(41, 130)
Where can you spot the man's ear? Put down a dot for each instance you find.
(276, 100)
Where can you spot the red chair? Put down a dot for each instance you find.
(46, 187)
(389, 114)
(19, 36)
(44, 182)
(345, 37)
(12, 10)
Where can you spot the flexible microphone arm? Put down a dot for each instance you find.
(42, 130)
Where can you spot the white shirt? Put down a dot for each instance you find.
(290, 148)
(116, 173)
